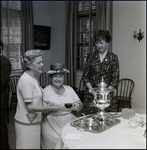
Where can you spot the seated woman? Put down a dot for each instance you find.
(60, 94)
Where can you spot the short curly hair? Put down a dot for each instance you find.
(29, 56)
(102, 35)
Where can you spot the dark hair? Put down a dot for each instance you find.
(102, 35)
(1, 44)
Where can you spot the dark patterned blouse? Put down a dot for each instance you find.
(93, 72)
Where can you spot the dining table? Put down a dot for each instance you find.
(119, 136)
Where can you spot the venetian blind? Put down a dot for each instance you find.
(11, 32)
(86, 29)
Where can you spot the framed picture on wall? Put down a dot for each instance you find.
(42, 37)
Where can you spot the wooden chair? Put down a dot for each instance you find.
(13, 81)
(122, 95)
(81, 90)
(44, 80)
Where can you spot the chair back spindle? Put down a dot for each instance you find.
(13, 81)
(44, 80)
(125, 88)
(81, 91)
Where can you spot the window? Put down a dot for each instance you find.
(86, 29)
(11, 32)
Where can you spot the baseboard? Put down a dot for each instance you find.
(139, 110)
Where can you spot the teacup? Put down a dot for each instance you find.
(68, 105)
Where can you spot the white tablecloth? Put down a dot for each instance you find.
(120, 136)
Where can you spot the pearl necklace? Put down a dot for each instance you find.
(102, 56)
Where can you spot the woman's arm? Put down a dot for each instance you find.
(88, 85)
(86, 74)
(86, 70)
(46, 113)
(32, 108)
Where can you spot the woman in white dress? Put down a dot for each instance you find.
(28, 117)
(60, 94)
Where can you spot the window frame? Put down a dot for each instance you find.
(84, 47)
(12, 42)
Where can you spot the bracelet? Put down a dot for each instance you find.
(90, 90)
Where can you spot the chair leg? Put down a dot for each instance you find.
(130, 104)
(8, 111)
(118, 106)
(111, 104)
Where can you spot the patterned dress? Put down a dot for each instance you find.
(93, 71)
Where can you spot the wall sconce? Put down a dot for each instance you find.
(139, 35)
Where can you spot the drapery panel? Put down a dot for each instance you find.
(71, 41)
(27, 26)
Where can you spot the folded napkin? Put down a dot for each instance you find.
(73, 137)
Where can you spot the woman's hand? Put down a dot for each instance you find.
(75, 106)
(94, 94)
(55, 108)
(49, 104)
(110, 88)
(52, 108)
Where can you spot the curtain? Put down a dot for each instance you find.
(27, 26)
(71, 41)
(0, 22)
(104, 17)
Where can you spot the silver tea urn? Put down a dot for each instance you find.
(102, 102)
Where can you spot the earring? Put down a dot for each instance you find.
(107, 44)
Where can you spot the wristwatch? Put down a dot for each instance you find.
(90, 90)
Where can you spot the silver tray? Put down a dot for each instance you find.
(95, 124)
(113, 114)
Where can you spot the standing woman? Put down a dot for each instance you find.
(100, 63)
(28, 117)
(60, 94)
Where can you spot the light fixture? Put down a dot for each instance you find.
(139, 35)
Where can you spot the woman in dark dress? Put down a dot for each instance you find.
(100, 63)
